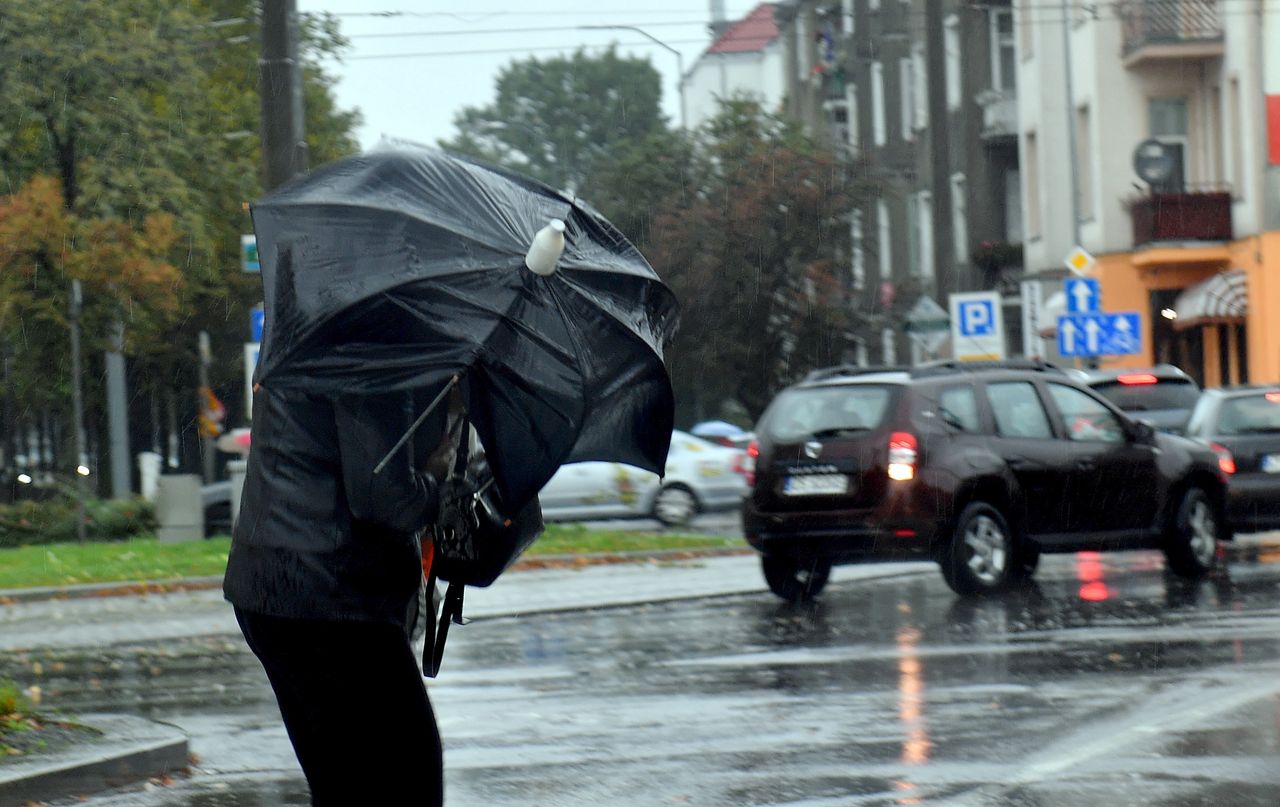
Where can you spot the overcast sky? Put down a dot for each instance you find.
(414, 63)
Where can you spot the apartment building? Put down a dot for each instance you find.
(744, 59)
(1169, 111)
(923, 95)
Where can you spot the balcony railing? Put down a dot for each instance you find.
(1176, 217)
(1171, 29)
(999, 113)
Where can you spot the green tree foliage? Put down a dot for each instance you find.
(141, 118)
(562, 119)
(752, 250)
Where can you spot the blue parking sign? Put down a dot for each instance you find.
(977, 318)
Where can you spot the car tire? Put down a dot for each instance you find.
(983, 555)
(1191, 543)
(795, 580)
(675, 506)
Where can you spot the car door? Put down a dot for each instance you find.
(1034, 455)
(1114, 480)
(582, 490)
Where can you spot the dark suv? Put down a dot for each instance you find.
(978, 466)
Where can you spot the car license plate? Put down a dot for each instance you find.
(1271, 463)
(816, 485)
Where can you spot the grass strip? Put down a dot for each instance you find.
(145, 558)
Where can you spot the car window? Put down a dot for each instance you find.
(1018, 411)
(1149, 396)
(958, 408)
(1085, 419)
(826, 411)
(1250, 414)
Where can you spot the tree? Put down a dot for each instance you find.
(752, 251)
(559, 119)
(144, 115)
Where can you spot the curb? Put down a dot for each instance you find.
(130, 749)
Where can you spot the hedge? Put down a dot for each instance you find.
(54, 521)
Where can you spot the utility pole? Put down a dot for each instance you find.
(939, 147)
(77, 409)
(118, 415)
(284, 143)
(1073, 156)
(206, 443)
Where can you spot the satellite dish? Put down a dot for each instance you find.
(1154, 162)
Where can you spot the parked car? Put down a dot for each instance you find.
(700, 476)
(1162, 395)
(980, 467)
(1242, 426)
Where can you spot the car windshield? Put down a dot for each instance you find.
(827, 411)
(1150, 397)
(1252, 414)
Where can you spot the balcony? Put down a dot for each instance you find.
(999, 114)
(1181, 217)
(1170, 30)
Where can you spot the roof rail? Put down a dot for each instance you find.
(948, 366)
(848, 371)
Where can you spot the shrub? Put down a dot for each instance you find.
(54, 520)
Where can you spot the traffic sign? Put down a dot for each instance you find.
(1084, 296)
(249, 253)
(1079, 261)
(1032, 313)
(256, 317)
(1099, 334)
(927, 324)
(977, 326)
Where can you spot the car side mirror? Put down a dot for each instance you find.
(1142, 432)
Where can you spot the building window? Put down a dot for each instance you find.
(803, 44)
(1004, 64)
(888, 349)
(1084, 161)
(1167, 122)
(1236, 124)
(960, 217)
(920, 92)
(846, 16)
(1031, 164)
(1219, 147)
(906, 98)
(858, 251)
(883, 240)
(1026, 37)
(1013, 206)
(924, 217)
(952, 50)
(873, 5)
(877, 104)
(851, 100)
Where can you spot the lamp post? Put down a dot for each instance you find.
(659, 43)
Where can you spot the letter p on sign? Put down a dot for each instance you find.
(977, 318)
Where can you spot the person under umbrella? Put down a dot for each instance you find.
(394, 281)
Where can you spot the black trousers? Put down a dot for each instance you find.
(356, 709)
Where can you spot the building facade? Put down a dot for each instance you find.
(745, 59)
(1164, 111)
(923, 95)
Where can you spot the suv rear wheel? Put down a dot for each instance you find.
(795, 580)
(983, 555)
(1191, 544)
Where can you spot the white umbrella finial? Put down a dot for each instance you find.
(545, 251)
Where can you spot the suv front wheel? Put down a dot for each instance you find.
(795, 580)
(1191, 545)
(982, 555)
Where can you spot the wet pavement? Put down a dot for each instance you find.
(1107, 682)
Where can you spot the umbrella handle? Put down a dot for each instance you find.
(404, 438)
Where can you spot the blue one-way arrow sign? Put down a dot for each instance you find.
(1099, 334)
(1083, 295)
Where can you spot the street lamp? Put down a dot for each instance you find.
(659, 43)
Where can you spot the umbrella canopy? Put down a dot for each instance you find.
(399, 269)
(716, 428)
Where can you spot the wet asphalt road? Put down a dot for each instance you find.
(1107, 683)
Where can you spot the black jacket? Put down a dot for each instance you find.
(319, 535)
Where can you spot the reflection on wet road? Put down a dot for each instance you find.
(1107, 683)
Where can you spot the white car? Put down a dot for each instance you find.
(700, 476)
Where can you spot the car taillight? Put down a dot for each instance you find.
(902, 456)
(1226, 462)
(1137, 378)
(748, 463)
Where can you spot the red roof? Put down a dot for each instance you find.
(748, 35)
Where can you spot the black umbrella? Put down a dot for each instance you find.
(399, 269)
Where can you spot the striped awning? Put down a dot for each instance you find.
(1223, 298)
